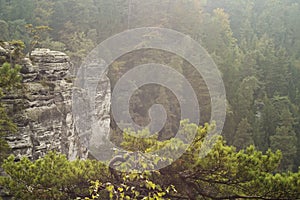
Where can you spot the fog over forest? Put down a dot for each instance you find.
(150, 99)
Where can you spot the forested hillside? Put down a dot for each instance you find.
(254, 43)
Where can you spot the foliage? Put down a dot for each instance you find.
(35, 33)
(51, 177)
(256, 45)
(223, 174)
(9, 80)
(133, 186)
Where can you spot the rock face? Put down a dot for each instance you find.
(45, 120)
(91, 108)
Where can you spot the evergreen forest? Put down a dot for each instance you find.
(254, 43)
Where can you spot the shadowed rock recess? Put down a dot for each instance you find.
(43, 110)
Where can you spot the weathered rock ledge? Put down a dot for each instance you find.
(43, 110)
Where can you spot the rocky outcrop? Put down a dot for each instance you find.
(43, 111)
(91, 108)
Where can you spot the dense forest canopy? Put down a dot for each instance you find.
(254, 43)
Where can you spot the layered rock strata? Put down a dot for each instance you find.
(43, 110)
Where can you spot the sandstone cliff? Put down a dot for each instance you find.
(43, 110)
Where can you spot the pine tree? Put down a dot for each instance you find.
(285, 140)
(243, 136)
(9, 79)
